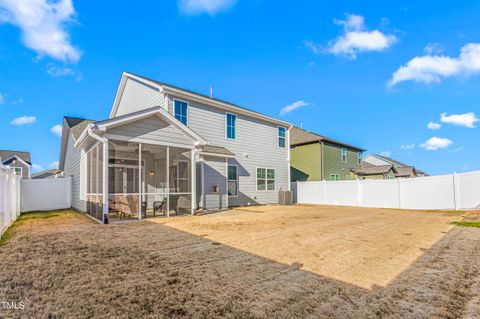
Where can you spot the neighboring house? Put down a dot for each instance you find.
(165, 150)
(375, 172)
(404, 170)
(48, 174)
(19, 162)
(315, 157)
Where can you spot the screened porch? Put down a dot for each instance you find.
(142, 180)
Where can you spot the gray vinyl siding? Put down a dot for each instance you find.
(256, 145)
(151, 128)
(138, 96)
(74, 167)
(25, 168)
(215, 175)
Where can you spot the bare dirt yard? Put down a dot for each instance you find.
(256, 262)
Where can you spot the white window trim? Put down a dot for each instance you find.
(266, 179)
(346, 155)
(188, 108)
(226, 126)
(14, 168)
(337, 177)
(278, 137)
(233, 180)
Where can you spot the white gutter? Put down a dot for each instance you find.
(95, 136)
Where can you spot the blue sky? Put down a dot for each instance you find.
(400, 79)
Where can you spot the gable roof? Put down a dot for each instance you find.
(299, 136)
(77, 125)
(211, 101)
(6, 155)
(406, 171)
(389, 160)
(374, 170)
(45, 174)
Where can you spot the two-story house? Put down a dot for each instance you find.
(165, 150)
(315, 157)
(19, 162)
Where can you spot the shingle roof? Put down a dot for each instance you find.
(374, 170)
(217, 150)
(6, 154)
(299, 136)
(44, 174)
(391, 160)
(77, 125)
(405, 171)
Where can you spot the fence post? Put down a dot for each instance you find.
(359, 193)
(455, 191)
(400, 192)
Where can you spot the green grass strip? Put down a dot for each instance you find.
(466, 224)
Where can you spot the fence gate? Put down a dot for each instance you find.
(46, 194)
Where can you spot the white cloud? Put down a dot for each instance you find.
(211, 7)
(434, 126)
(54, 165)
(467, 119)
(22, 120)
(2, 99)
(57, 130)
(407, 146)
(386, 153)
(436, 143)
(433, 68)
(433, 48)
(357, 38)
(315, 48)
(18, 101)
(292, 107)
(42, 24)
(37, 168)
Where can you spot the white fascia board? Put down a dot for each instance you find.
(18, 159)
(159, 111)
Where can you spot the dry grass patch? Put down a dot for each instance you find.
(67, 266)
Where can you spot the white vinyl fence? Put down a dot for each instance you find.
(46, 194)
(455, 191)
(9, 198)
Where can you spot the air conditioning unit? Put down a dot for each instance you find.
(285, 197)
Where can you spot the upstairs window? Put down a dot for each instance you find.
(281, 137)
(232, 180)
(359, 158)
(344, 155)
(17, 171)
(265, 179)
(181, 111)
(231, 126)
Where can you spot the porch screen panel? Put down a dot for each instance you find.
(95, 181)
(123, 180)
(154, 180)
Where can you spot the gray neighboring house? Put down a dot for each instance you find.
(20, 162)
(403, 170)
(166, 150)
(48, 174)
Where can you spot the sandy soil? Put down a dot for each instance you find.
(71, 267)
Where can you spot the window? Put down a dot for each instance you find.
(231, 125)
(334, 177)
(265, 179)
(344, 155)
(281, 137)
(232, 180)
(181, 111)
(359, 158)
(17, 171)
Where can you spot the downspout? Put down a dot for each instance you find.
(289, 165)
(105, 171)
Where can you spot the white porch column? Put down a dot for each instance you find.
(140, 196)
(105, 182)
(193, 179)
(226, 182)
(168, 181)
